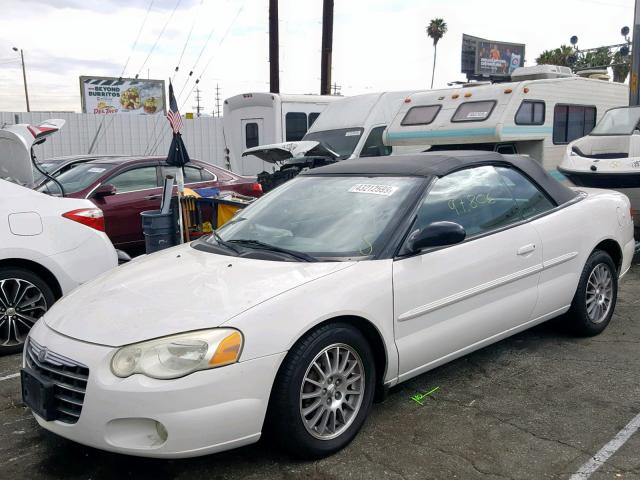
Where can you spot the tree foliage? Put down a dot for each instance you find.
(436, 29)
(601, 58)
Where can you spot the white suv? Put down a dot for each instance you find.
(48, 246)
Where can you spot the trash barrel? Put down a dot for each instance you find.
(160, 230)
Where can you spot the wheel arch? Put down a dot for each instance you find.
(612, 247)
(37, 269)
(373, 337)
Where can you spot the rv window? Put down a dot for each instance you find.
(571, 122)
(313, 116)
(252, 138)
(474, 111)
(530, 113)
(422, 115)
(296, 126)
(374, 147)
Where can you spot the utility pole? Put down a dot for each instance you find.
(217, 112)
(198, 107)
(634, 95)
(327, 47)
(335, 89)
(274, 53)
(24, 78)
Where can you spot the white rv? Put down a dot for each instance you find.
(353, 126)
(253, 119)
(543, 109)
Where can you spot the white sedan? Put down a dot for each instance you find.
(341, 283)
(48, 246)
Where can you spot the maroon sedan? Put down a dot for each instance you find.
(125, 186)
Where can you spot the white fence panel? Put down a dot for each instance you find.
(124, 135)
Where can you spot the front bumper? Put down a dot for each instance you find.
(202, 413)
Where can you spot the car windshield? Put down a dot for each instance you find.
(336, 217)
(618, 121)
(76, 179)
(342, 141)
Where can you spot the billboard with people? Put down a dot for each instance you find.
(489, 58)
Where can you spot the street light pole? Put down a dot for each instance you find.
(24, 78)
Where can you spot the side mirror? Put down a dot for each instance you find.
(436, 234)
(104, 190)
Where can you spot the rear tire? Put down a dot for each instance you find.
(24, 298)
(595, 298)
(315, 410)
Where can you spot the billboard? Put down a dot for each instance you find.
(109, 95)
(489, 58)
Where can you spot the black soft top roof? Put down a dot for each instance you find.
(439, 164)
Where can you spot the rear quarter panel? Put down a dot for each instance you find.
(575, 231)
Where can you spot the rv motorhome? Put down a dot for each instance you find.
(253, 119)
(538, 113)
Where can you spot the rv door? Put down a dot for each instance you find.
(252, 136)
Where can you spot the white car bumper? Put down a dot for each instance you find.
(202, 413)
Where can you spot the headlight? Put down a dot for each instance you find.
(179, 355)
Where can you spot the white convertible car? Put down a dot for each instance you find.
(343, 282)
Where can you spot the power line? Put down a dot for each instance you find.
(135, 43)
(159, 37)
(193, 24)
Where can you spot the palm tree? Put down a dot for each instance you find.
(436, 30)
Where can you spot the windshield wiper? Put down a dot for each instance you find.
(265, 246)
(224, 243)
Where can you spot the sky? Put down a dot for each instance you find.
(378, 45)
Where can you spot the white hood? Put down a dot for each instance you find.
(280, 152)
(178, 290)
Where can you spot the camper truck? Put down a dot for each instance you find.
(538, 113)
(253, 119)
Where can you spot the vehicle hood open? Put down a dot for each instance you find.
(280, 152)
(15, 149)
(177, 290)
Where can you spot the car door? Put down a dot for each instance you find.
(451, 300)
(137, 190)
(194, 176)
(557, 229)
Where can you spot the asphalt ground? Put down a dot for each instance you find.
(535, 406)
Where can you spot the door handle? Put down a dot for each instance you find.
(153, 197)
(526, 249)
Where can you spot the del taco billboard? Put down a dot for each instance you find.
(108, 96)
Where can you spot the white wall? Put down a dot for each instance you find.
(124, 134)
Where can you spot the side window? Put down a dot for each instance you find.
(422, 115)
(191, 174)
(374, 147)
(475, 198)
(295, 126)
(313, 116)
(207, 176)
(506, 149)
(530, 200)
(251, 134)
(531, 112)
(474, 111)
(571, 122)
(137, 179)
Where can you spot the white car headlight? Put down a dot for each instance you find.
(179, 355)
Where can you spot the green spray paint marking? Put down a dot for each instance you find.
(419, 397)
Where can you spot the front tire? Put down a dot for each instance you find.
(323, 391)
(595, 299)
(24, 298)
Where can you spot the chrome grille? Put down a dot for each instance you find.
(68, 376)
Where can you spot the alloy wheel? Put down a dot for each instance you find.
(599, 293)
(332, 391)
(21, 305)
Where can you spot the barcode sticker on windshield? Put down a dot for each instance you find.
(386, 190)
(352, 133)
(96, 170)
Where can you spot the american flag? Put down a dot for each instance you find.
(173, 115)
